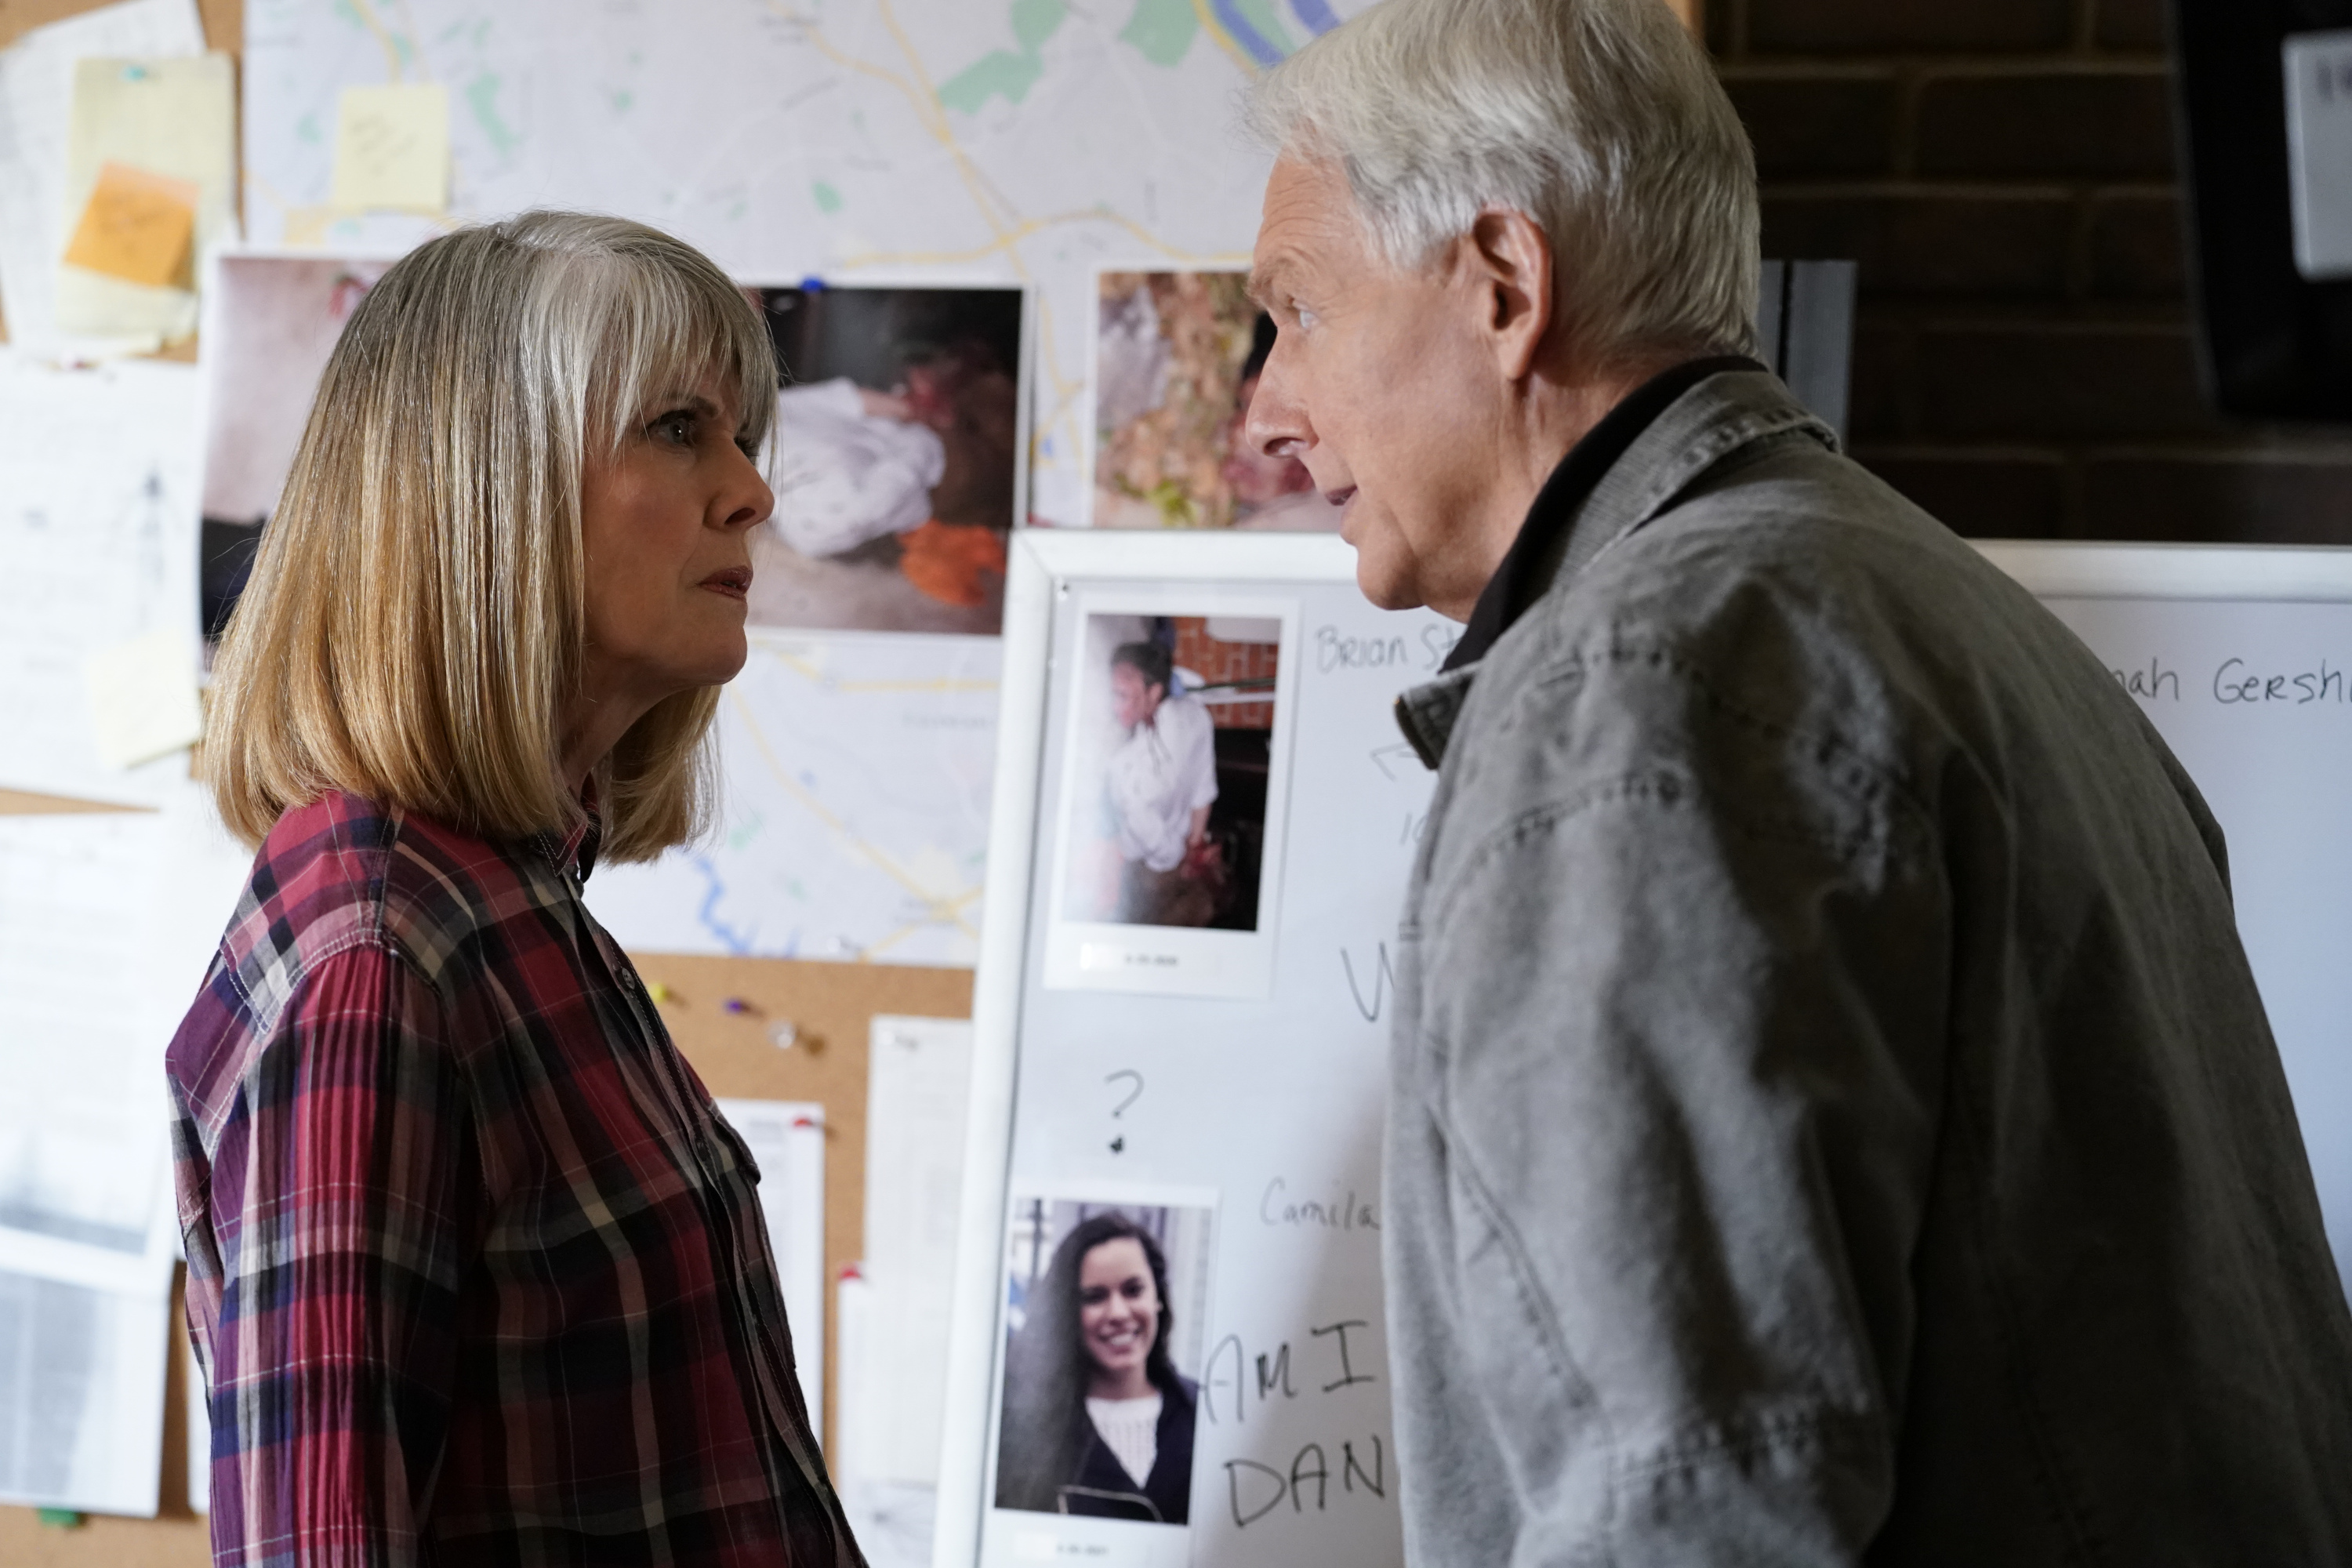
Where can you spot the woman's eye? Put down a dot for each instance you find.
(1131, 1289)
(675, 429)
(1094, 1296)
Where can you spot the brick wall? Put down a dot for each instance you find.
(1216, 662)
(2005, 171)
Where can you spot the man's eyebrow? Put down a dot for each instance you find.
(1264, 282)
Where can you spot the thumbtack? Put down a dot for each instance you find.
(784, 1035)
(737, 1005)
(661, 994)
(806, 1122)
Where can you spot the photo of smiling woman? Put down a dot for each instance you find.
(1098, 1420)
(477, 1270)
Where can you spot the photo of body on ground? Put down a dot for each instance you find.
(896, 459)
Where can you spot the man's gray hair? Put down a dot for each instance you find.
(1601, 119)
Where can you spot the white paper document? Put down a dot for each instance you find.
(81, 1395)
(787, 1138)
(37, 78)
(95, 967)
(98, 552)
(893, 1399)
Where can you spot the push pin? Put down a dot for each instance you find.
(737, 1005)
(661, 994)
(785, 1034)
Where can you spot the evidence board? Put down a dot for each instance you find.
(1221, 1086)
(1207, 1062)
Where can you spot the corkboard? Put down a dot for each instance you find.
(830, 1006)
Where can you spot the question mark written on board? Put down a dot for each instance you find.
(1119, 1145)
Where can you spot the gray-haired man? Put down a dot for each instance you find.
(1833, 1117)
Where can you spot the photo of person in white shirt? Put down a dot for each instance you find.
(1169, 811)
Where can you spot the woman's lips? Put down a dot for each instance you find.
(735, 582)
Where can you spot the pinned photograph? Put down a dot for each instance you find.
(1105, 1309)
(899, 459)
(1177, 358)
(270, 322)
(1169, 816)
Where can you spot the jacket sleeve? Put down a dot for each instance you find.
(1678, 1078)
(341, 1209)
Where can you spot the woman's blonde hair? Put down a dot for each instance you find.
(414, 627)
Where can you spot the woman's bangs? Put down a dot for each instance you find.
(665, 335)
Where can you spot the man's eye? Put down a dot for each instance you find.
(1306, 317)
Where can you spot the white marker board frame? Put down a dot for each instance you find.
(1051, 579)
(2290, 847)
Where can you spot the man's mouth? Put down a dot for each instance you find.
(1342, 498)
(735, 582)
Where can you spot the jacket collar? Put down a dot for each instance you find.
(1627, 470)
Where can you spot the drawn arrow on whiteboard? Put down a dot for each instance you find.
(1401, 750)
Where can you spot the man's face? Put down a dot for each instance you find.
(1381, 384)
(1132, 699)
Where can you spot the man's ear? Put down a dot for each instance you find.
(1509, 258)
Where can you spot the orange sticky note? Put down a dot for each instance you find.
(137, 227)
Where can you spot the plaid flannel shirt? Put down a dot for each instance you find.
(476, 1270)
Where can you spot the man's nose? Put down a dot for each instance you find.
(1276, 423)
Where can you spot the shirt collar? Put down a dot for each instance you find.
(574, 850)
(1537, 555)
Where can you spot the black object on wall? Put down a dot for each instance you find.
(2276, 343)
(1804, 331)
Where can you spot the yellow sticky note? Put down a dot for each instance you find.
(137, 226)
(392, 147)
(143, 699)
(168, 117)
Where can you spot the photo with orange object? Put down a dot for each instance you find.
(894, 461)
(1170, 824)
(1177, 359)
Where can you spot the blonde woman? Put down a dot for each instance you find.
(475, 1269)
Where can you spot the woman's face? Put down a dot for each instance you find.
(664, 531)
(1118, 1309)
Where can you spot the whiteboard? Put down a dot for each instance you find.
(2242, 656)
(1248, 1104)
(1255, 1097)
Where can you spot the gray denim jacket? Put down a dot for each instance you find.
(1833, 1119)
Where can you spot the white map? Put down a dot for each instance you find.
(857, 776)
(900, 140)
